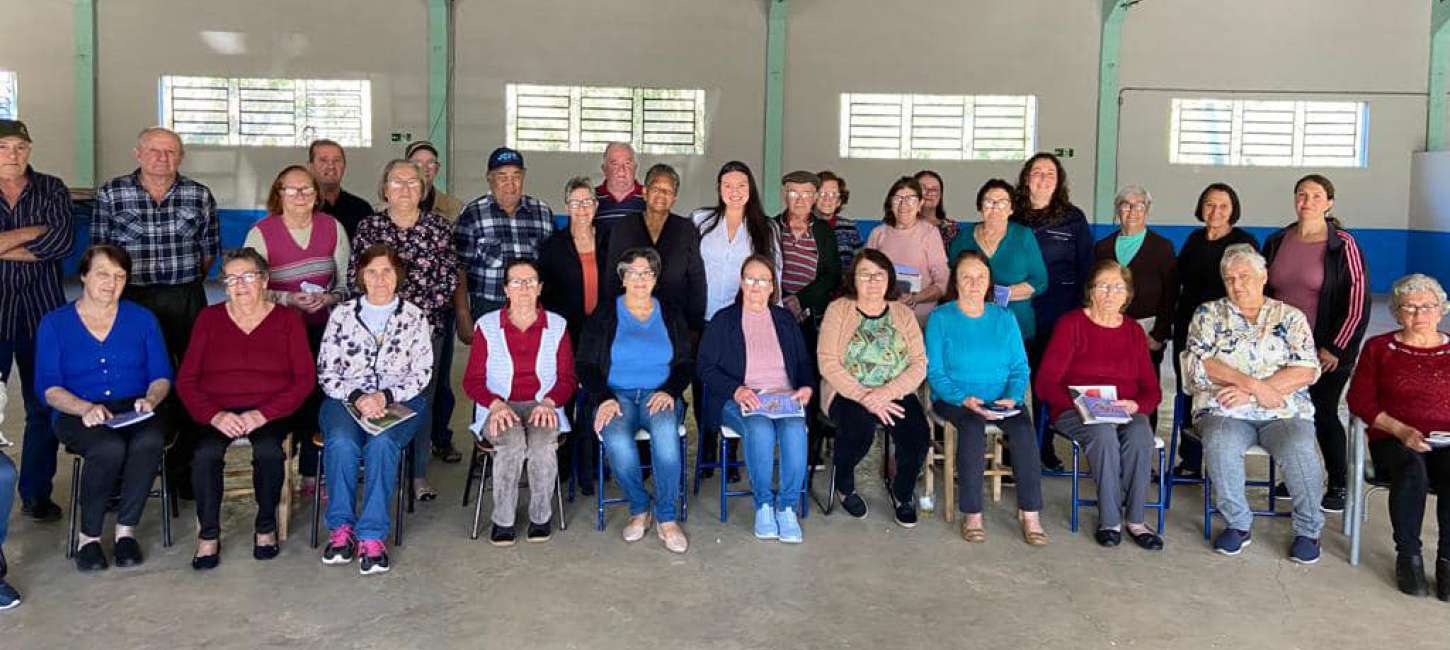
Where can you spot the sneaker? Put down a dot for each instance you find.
(1333, 500)
(789, 525)
(373, 557)
(41, 510)
(1304, 550)
(341, 546)
(854, 505)
(9, 597)
(1232, 541)
(765, 526)
(538, 533)
(1281, 491)
(502, 535)
(906, 515)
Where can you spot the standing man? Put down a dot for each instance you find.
(168, 223)
(328, 163)
(35, 235)
(442, 204)
(620, 194)
(502, 225)
(434, 200)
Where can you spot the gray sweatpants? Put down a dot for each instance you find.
(536, 445)
(1121, 457)
(1292, 444)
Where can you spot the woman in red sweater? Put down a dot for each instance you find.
(1097, 346)
(1401, 388)
(248, 367)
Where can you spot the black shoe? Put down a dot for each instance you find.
(539, 532)
(1281, 491)
(207, 562)
(854, 505)
(447, 453)
(1108, 538)
(1009, 479)
(503, 536)
(1333, 500)
(586, 488)
(1147, 540)
(1410, 575)
(127, 552)
(732, 475)
(906, 514)
(1189, 473)
(41, 510)
(1442, 579)
(1053, 465)
(4, 568)
(91, 558)
(262, 551)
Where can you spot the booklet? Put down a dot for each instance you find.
(1095, 404)
(392, 415)
(128, 419)
(1001, 295)
(778, 405)
(1000, 411)
(908, 278)
(1438, 438)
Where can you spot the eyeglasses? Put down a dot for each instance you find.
(795, 195)
(908, 199)
(250, 277)
(1415, 310)
(638, 274)
(876, 276)
(577, 204)
(931, 192)
(1111, 288)
(829, 196)
(755, 282)
(1133, 207)
(524, 283)
(1001, 204)
(432, 164)
(305, 192)
(411, 184)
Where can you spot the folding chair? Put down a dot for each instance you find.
(403, 498)
(994, 472)
(1361, 485)
(600, 501)
(168, 503)
(1208, 507)
(1077, 474)
(728, 433)
(1182, 406)
(482, 460)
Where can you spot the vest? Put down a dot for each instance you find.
(499, 369)
(292, 264)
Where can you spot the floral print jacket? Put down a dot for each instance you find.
(1281, 338)
(427, 248)
(353, 361)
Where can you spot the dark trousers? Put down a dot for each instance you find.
(1326, 395)
(268, 459)
(972, 457)
(443, 402)
(176, 308)
(304, 421)
(856, 430)
(1190, 450)
(1036, 347)
(131, 454)
(1411, 475)
(37, 455)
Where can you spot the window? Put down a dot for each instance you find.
(267, 112)
(9, 109)
(1272, 133)
(938, 127)
(587, 118)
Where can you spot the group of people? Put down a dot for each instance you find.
(788, 329)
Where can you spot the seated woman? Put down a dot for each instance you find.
(1097, 346)
(751, 348)
(1400, 389)
(872, 361)
(247, 368)
(976, 362)
(376, 353)
(634, 363)
(520, 371)
(1248, 365)
(97, 358)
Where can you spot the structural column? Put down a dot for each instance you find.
(85, 91)
(1106, 176)
(440, 55)
(774, 102)
(1439, 70)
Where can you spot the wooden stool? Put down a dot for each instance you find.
(994, 472)
(237, 481)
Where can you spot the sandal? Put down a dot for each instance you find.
(424, 492)
(1032, 537)
(973, 535)
(448, 454)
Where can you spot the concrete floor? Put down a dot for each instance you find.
(853, 584)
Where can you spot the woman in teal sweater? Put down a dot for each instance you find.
(977, 367)
(1010, 249)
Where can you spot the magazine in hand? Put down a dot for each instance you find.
(1001, 295)
(392, 415)
(1438, 438)
(778, 405)
(908, 278)
(1095, 405)
(999, 410)
(128, 419)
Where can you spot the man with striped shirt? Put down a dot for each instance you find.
(620, 194)
(35, 235)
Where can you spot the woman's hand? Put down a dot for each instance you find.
(1413, 439)
(1327, 360)
(1154, 344)
(501, 418)
(371, 405)
(974, 405)
(747, 399)
(660, 401)
(253, 420)
(1131, 406)
(608, 410)
(909, 299)
(802, 395)
(307, 302)
(229, 424)
(1232, 397)
(888, 412)
(544, 415)
(143, 405)
(94, 415)
(1267, 395)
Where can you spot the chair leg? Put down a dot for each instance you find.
(1165, 485)
(166, 497)
(317, 497)
(685, 498)
(559, 493)
(482, 485)
(75, 504)
(468, 478)
(410, 459)
(700, 463)
(949, 472)
(1076, 484)
(289, 477)
(724, 484)
(405, 502)
(1207, 505)
(599, 492)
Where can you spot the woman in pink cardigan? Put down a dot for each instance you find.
(914, 247)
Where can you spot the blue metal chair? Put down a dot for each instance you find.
(1077, 474)
(1272, 511)
(169, 508)
(600, 500)
(1182, 406)
(728, 433)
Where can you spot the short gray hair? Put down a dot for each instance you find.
(160, 130)
(1413, 283)
(618, 144)
(662, 169)
(388, 169)
(630, 255)
(1242, 253)
(577, 183)
(246, 254)
(1132, 190)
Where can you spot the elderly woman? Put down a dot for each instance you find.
(1248, 365)
(872, 360)
(520, 371)
(832, 198)
(914, 247)
(1400, 389)
(1200, 282)
(1316, 266)
(247, 369)
(934, 205)
(754, 348)
(634, 363)
(1098, 346)
(95, 359)
(681, 282)
(424, 241)
(375, 365)
(1149, 256)
(1011, 250)
(977, 368)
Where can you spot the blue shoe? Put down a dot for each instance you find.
(765, 527)
(790, 527)
(1304, 550)
(1232, 541)
(9, 597)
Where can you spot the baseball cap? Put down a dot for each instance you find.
(416, 145)
(17, 129)
(503, 157)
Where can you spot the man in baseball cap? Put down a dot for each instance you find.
(502, 225)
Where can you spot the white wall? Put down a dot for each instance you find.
(37, 41)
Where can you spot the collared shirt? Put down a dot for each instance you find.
(1280, 338)
(28, 290)
(427, 248)
(486, 238)
(723, 257)
(609, 210)
(349, 210)
(169, 240)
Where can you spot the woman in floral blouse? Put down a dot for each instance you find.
(424, 241)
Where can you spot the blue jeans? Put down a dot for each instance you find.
(345, 445)
(664, 443)
(1292, 444)
(7, 493)
(39, 446)
(760, 435)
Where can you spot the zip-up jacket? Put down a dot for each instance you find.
(1344, 298)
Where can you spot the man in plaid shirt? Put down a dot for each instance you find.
(168, 223)
(502, 225)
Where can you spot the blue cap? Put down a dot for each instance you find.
(503, 157)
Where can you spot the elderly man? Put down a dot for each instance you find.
(1249, 363)
(434, 200)
(168, 223)
(681, 284)
(35, 234)
(328, 163)
(502, 225)
(620, 194)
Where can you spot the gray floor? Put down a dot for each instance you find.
(862, 584)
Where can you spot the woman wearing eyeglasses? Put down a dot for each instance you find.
(247, 369)
(1011, 250)
(424, 241)
(914, 247)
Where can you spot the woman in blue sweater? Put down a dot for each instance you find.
(977, 369)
